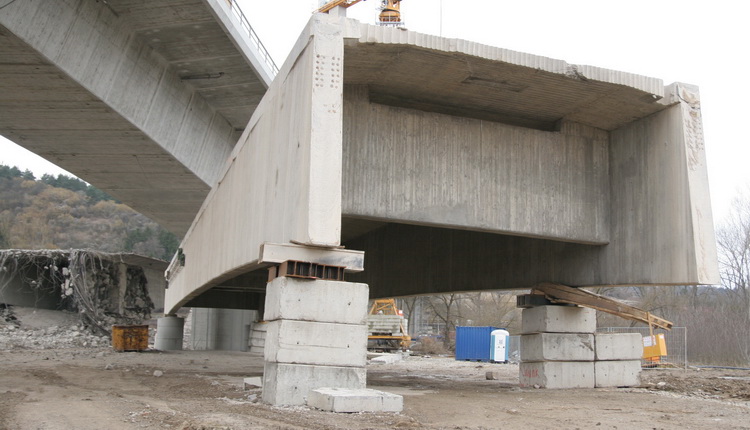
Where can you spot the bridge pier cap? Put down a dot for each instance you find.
(480, 173)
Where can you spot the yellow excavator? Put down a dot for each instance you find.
(390, 10)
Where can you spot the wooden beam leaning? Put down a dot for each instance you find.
(563, 294)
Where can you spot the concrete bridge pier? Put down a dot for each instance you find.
(169, 333)
(316, 337)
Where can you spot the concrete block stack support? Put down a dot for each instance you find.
(557, 347)
(618, 359)
(560, 349)
(316, 337)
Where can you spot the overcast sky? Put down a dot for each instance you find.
(698, 42)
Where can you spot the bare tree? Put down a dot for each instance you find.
(445, 309)
(733, 240)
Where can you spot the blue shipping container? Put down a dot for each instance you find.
(474, 343)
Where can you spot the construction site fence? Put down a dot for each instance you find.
(676, 340)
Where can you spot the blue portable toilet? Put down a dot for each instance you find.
(499, 346)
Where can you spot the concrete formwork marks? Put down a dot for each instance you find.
(283, 182)
(427, 168)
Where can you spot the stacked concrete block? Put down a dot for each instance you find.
(557, 347)
(316, 338)
(258, 337)
(618, 359)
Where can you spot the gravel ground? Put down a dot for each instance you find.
(51, 381)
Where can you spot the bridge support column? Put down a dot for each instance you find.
(560, 349)
(169, 333)
(557, 347)
(316, 337)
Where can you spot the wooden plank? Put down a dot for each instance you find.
(563, 294)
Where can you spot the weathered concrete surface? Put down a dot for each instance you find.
(557, 374)
(286, 167)
(145, 100)
(169, 333)
(316, 343)
(346, 400)
(222, 329)
(301, 300)
(558, 319)
(502, 170)
(617, 373)
(618, 346)
(557, 347)
(436, 169)
(290, 384)
(321, 351)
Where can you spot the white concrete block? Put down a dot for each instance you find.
(557, 347)
(319, 300)
(386, 358)
(618, 346)
(325, 344)
(252, 382)
(289, 384)
(557, 374)
(558, 319)
(621, 373)
(348, 400)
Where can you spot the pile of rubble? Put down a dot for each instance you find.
(55, 329)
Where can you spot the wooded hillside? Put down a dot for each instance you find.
(64, 212)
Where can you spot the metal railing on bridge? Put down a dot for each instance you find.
(235, 8)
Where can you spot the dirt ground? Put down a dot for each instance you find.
(47, 386)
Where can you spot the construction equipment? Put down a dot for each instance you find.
(386, 327)
(332, 4)
(654, 350)
(390, 10)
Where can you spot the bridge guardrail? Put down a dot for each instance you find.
(235, 8)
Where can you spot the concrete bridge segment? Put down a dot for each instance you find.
(456, 166)
(143, 99)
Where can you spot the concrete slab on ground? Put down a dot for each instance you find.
(347, 400)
